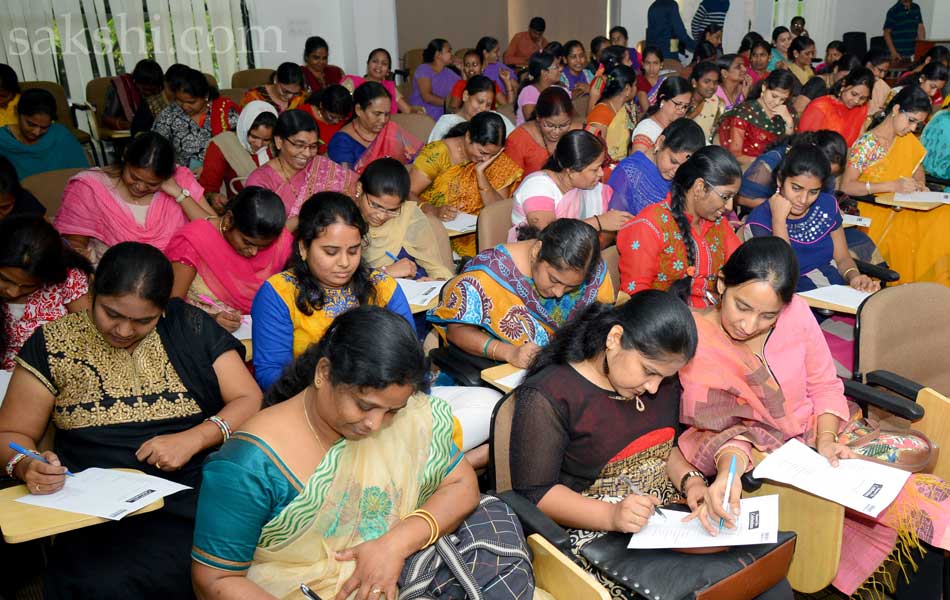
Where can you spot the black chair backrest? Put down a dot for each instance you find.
(855, 42)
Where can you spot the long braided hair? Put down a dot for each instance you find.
(715, 166)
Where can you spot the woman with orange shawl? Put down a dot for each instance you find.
(370, 134)
(844, 112)
(614, 117)
(763, 375)
(464, 172)
(885, 160)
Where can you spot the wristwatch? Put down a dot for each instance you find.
(184, 195)
(689, 475)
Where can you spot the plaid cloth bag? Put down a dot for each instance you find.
(485, 558)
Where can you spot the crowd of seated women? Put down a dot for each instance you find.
(335, 455)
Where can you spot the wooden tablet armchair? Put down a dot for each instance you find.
(819, 522)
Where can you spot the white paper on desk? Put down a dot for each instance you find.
(862, 485)
(511, 381)
(843, 295)
(244, 331)
(855, 221)
(928, 197)
(463, 223)
(757, 524)
(420, 293)
(106, 493)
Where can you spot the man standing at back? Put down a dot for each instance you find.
(526, 43)
(903, 26)
(664, 25)
(709, 12)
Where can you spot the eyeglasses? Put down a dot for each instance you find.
(302, 146)
(394, 212)
(285, 92)
(552, 125)
(726, 198)
(680, 106)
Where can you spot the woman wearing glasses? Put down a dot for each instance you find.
(285, 92)
(748, 129)
(672, 102)
(544, 70)
(530, 145)
(298, 172)
(653, 254)
(888, 158)
(397, 226)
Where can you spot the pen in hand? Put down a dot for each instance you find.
(17, 447)
(633, 489)
(725, 499)
(306, 591)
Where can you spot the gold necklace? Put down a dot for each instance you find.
(313, 430)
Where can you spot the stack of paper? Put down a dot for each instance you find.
(420, 293)
(463, 223)
(862, 485)
(855, 221)
(842, 295)
(244, 331)
(106, 493)
(757, 524)
(511, 381)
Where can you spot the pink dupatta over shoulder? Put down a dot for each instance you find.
(320, 175)
(92, 209)
(232, 279)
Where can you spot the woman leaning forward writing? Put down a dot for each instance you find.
(344, 479)
(140, 382)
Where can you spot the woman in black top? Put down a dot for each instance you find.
(598, 414)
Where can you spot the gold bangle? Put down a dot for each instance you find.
(821, 433)
(428, 518)
(732, 450)
(845, 274)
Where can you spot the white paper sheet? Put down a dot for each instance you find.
(106, 493)
(512, 381)
(844, 295)
(757, 524)
(463, 223)
(931, 197)
(420, 293)
(855, 221)
(244, 331)
(865, 486)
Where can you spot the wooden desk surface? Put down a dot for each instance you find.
(24, 522)
(453, 233)
(491, 375)
(421, 308)
(888, 200)
(248, 349)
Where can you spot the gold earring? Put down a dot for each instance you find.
(318, 382)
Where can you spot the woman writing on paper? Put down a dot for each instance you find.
(599, 408)
(397, 226)
(762, 375)
(888, 159)
(220, 263)
(510, 299)
(140, 381)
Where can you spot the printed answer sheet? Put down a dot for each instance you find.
(420, 293)
(928, 197)
(757, 524)
(463, 223)
(244, 331)
(106, 493)
(862, 485)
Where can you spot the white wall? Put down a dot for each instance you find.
(351, 28)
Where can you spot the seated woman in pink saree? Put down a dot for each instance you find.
(762, 375)
(145, 198)
(220, 263)
(298, 172)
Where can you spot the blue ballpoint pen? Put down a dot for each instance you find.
(31, 454)
(729, 480)
(390, 255)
